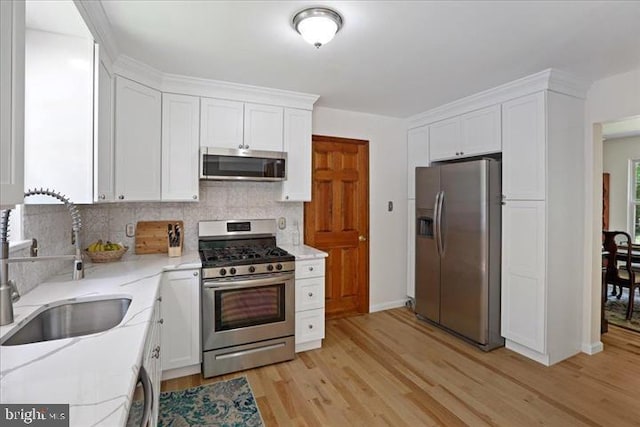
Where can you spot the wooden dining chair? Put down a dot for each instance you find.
(623, 275)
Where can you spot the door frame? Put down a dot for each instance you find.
(365, 285)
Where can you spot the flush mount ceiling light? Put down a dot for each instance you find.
(317, 25)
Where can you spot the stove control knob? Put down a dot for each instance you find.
(270, 267)
(279, 267)
(232, 270)
(223, 272)
(252, 269)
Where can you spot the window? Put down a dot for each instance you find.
(634, 201)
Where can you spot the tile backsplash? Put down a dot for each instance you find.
(218, 200)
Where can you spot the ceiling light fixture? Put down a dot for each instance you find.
(317, 25)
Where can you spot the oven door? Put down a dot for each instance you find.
(241, 311)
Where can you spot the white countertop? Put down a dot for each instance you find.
(95, 374)
(303, 252)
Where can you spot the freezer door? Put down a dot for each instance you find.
(465, 249)
(427, 263)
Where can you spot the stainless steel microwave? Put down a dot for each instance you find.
(250, 165)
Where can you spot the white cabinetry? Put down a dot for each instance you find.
(297, 144)
(543, 141)
(180, 292)
(309, 304)
(180, 147)
(152, 361)
(417, 155)
(104, 152)
(470, 134)
(263, 127)
(137, 138)
(12, 30)
(221, 123)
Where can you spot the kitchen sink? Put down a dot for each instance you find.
(71, 320)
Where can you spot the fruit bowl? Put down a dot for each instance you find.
(107, 256)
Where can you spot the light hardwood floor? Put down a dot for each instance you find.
(388, 368)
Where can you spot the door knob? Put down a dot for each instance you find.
(362, 238)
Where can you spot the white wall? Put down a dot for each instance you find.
(612, 98)
(387, 182)
(616, 156)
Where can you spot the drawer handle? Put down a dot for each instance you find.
(310, 294)
(310, 326)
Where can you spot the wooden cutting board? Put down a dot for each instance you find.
(152, 238)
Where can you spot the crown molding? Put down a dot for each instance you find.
(549, 79)
(96, 19)
(186, 85)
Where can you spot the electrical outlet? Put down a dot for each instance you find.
(282, 223)
(130, 230)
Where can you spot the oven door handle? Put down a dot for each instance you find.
(252, 283)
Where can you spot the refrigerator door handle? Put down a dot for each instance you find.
(440, 235)
(436, 223)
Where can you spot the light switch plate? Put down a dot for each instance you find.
(282, 223)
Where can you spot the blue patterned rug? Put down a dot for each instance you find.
(225, 404)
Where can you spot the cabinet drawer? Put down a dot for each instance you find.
(309, 293)
(309, 325)
(313, 268)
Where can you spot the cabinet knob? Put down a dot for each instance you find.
(286, 197)
(161, 321)
(462, 153)
(195, 197)
(159, 299)
(310, 268)
(240, 146)
(310, 326)
(102, 197)
(121, 197)
(310, 294)
(195, 273)
(246, 146)
(503, 200)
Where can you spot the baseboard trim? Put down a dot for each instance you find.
(592, 348)
(387, 305)
(180, 372)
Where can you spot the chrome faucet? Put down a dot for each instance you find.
(8, 290)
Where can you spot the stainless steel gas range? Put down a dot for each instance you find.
(247, 296)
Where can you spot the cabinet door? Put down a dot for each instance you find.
(481, 132)
(263, 127)
(221, 123)
(181, 313)
(411, 248)
(417, 155)
(180, 147)
(444, 139)
(523, 273)
(12, 23)
(297, 145)
(523, 148)
(137, 133)
(104, 153)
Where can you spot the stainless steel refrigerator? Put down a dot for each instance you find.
(458, 222)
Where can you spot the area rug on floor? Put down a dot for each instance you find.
(615, 311)
(225, 404)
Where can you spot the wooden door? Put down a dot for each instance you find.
(337, 221)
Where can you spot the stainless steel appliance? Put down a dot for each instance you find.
(248, 316)
(249, 165)
(458, 221)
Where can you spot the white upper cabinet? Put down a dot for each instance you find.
(467, 135)
(180, 147)
(263, 126)
(221, 123)
(104, 152)
(12, 22)
(445, 139)
(297, 144)
(417, 155)
(481, 132)
(524, 140)
(137, 139)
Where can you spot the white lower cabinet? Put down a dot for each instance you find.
(152, 360)
(180, 292)
(309, 304)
